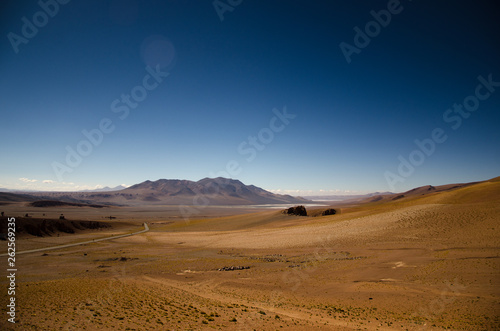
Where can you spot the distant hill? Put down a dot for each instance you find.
(55, 203)
(343, 197)
(215, 191)
(208, 191)
(418, 191)
(6, 198)
(106, 189)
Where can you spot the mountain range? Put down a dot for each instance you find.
(207, 191)
(214, 191)
(106, 189)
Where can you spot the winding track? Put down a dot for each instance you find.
(146, 229)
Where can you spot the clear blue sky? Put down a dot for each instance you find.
(347, 126)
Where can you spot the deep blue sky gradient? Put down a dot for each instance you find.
(352, 120)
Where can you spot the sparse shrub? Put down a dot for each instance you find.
(297, 210)
(329, 211)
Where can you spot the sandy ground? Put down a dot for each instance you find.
(429, 263)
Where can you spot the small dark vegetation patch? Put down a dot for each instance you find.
(398, 197)
(297, 210)
(121, 259)
(329, 211)
(232, 268)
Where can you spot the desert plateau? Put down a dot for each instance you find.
(427, 259)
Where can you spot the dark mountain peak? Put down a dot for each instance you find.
(159, 183)
(219, 190)
(146, 183)
(220, 181)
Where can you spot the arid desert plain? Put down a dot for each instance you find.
(428, 260)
